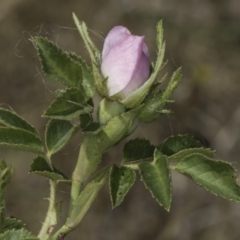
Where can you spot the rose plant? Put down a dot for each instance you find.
(131, 93)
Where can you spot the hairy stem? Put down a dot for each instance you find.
(51, 217)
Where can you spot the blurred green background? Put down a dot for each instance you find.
(203, 37)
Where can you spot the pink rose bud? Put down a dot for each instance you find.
(125, 62)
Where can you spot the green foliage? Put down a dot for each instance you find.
(182, 154)
(57, 64)
(136, 150)
(68, 105)
(10, 119)
(87, 81)
(87, 124)
(19, 234)
(156, 177)
(177, 143)
(58, 134)
(13, 223)
(86, 198)
(39, 166)
(216, 176)
(121, 180)
(21, 140)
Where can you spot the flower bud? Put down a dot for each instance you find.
(125, 62)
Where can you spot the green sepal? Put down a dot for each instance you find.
(20, 139)
(120, 181)
(40, 167)
(68, 105)
(177, 143)
(138, 96)
(157, 179)
(154, 106)
(10, 119)
(58, 134)
(95, 55)
(19, 234)
(108, 109)
(137, 150)
(57, 64)
(218, 177)
(86, 198)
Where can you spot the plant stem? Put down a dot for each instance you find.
(51, 217)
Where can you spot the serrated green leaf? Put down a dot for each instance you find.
(10, 119)
(70, 104)
(39, 166)
(58, 134)
(87, 81)
(177, 143)
(20, 139)
(121, 180)
(19, 234)
(157, 179)
(216, 176)
(13, 223)
(136, 150)
(86, 198)
(182, 154)
(57, 64)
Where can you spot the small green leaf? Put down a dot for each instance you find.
(21, 140)
(19, 234)
(86, 198)
(157, 179)
(216, 176)
(177, 143)
(182, 154)
(10, 119)
(13, 223)
(136, 150)
(121, 180)
(39, 166)
(68, 105)
(57, 64)
(87, 81)
(58, 134)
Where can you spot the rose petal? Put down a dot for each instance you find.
(120, 62)
(140, 76)
(114, 37)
